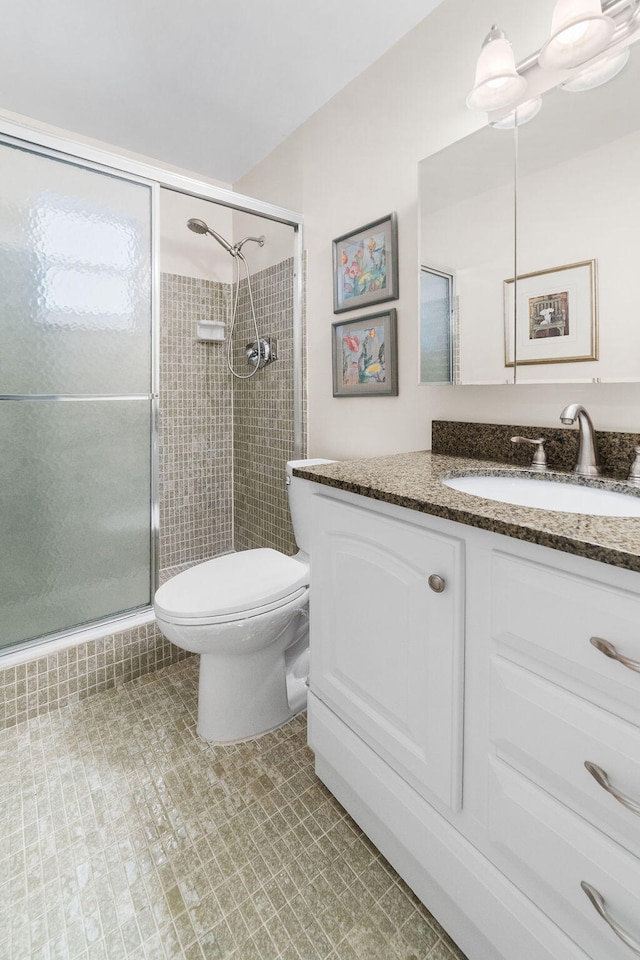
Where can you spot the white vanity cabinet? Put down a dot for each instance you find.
(495, 822)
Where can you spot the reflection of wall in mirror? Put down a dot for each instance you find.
(475, 237)
(594, 203)
(587, 208)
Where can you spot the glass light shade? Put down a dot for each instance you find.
(597, 73)
(497, 83)
(522, 114)
(579, 31)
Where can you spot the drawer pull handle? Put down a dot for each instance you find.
(610, 651)
(602, 779)
(597, 901)
(437, 583)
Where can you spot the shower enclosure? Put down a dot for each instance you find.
(80, 360)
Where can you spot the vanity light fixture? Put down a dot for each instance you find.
(579, 31)
(589, 41)
(597, 73)
(522, 114)
(498, 84)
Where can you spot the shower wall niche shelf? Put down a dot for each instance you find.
(210, 330)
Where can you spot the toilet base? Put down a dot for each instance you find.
(245, 694)
(253, 736)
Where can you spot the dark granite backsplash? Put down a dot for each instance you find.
(492, 441)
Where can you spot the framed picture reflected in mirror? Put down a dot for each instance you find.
(552, 316)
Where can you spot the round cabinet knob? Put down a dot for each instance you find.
(436, 583)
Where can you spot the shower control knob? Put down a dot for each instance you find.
(437, 583)
(262, 351)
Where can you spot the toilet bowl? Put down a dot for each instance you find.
(246, 614)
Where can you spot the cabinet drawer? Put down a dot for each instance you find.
(548, 734)
(544, 617)
(548, 851)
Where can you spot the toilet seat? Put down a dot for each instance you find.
(232, 587)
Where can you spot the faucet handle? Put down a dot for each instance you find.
(539, 461)
(634, 472)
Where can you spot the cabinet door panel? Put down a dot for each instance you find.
(386, 650)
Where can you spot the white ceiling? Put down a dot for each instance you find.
(208, 85)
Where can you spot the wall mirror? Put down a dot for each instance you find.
(530, 243)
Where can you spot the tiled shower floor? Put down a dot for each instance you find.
(123, 835)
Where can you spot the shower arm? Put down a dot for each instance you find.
(238, 246)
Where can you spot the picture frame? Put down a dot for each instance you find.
(557, 315)
(365, 265)
(365, 357)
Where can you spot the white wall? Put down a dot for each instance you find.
(192, 254)
(354, 161)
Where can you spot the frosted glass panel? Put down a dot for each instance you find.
(74, 513)
(75, 277)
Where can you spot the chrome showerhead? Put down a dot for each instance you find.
(199, 226)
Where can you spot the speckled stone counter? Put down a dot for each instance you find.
(414, 480)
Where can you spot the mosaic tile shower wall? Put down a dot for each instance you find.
(263, 415)
(196, 425)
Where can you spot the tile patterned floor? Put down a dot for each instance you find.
(123, 835)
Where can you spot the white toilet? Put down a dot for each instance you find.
(246, 614)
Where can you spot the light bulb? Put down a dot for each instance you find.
(579, 31)
(572, 34)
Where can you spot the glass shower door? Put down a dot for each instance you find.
(75, 394)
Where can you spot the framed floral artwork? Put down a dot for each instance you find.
(365, 265)
(365, 362)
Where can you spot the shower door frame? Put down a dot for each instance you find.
(19, 133)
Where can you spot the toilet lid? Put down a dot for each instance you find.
(230, 584)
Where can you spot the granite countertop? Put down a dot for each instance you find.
(414, 480)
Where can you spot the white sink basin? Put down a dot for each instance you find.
(549, 495)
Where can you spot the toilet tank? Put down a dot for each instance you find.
(299, 492)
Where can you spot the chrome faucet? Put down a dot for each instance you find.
(587, 464)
